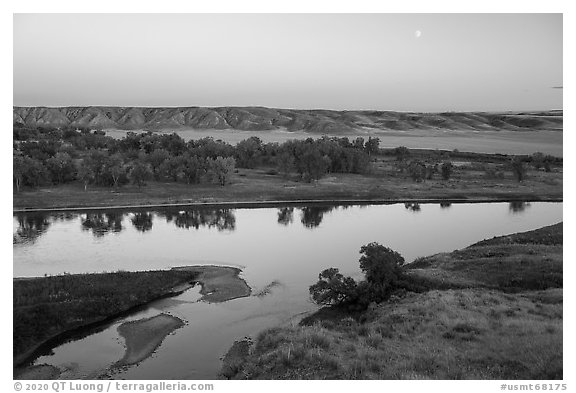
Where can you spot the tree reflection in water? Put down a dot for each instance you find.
(222, 219)
(142, 221)
(415, 207)
(30, 227)
(312, 215)
(285, 215)
(518, 206)
(103, 223)
(445, 205)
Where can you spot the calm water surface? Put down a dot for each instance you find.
(289, 246)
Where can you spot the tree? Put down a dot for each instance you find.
(538, 160)
(193, 168)
(156, 158)
(417, 171)
(446, 170)
(333, 288)
(61, 167)
(285, 162)
(311, 164)
(518, 168)
(221, 168)
(382, 267)
(18, 169)
(96, 161)
(86, 174)
(139, 173)
(359, 143)
(372, 146)
(249, 152)
(33, 172)
(173, 168)
(115, 167)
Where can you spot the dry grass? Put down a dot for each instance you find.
(454, 334)
(527, 261)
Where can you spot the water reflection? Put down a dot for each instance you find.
(221, 219)
(518, 206)
(415, 207)
(285, 215)
(30, 227)
(142, 221)
(102, 223)
(312, 215)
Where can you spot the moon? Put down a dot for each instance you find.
(417, 33)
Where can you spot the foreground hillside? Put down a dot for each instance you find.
(492, 311)
(259, 119)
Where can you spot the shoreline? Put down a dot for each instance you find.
(222, 283)
(62, 337)
(297, 202)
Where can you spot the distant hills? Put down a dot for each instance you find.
(262, 119)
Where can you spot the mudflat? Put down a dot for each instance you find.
(219, 283)
(145, 335)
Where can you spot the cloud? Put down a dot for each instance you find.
(557, 87)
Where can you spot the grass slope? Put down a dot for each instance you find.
(501, 318)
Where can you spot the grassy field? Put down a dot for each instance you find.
(493, 311)
(469, 181)
(45, 308)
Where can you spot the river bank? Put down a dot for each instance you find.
(260, 187)
(493, 310)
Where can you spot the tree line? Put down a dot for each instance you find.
(43, 156)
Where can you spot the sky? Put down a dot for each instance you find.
(404, 62)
